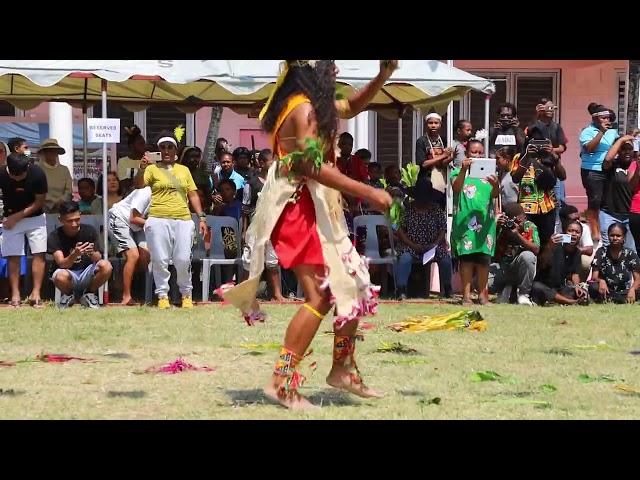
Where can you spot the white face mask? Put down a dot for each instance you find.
(27, 153)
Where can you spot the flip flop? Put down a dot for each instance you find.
(15, 303)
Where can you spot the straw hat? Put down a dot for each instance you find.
(51, 144)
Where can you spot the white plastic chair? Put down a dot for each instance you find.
(216, 256)
(372, 243)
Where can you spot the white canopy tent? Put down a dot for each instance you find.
(25, 83)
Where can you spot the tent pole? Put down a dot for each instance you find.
(105, 196)
(84, 138)
(486, 125)
(400, 141)
(449, 143)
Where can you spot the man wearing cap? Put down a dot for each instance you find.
(60, 185)
(24, 188)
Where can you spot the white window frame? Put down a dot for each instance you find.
(511, 77)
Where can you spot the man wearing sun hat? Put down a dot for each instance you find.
(58, 176)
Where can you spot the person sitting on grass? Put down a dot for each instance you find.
(585, 245)
(558, 278)
(516, 255)
(616, 269)
(76, 251)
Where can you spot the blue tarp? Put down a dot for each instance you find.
(36, 133)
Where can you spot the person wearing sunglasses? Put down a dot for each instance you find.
(595, 142)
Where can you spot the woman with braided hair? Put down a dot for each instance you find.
(300, 211)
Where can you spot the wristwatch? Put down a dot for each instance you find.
(202, 215)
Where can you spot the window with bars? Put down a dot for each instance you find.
(523, 89)
(6, 109)
(621, 115)
(387, 139)
(163, 117)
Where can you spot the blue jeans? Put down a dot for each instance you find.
(605, 221)
(405, 262)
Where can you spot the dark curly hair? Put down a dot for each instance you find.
(319, 84)
(133, 133)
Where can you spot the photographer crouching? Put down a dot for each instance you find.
(536, 173)
(516, 256)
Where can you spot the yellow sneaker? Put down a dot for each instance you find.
(187, 302)
(163, 303)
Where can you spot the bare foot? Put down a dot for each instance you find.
(295, 401)
(484, 300)
(466, 302)
(126, 301)
(280, 299)
(342, 379)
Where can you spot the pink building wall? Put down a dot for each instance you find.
(582, 82)
(232, 126)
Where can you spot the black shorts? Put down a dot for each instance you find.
(593, 183)
(478, 258)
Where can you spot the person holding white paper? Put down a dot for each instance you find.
(506, 132)
(473, 233)
(423, 227)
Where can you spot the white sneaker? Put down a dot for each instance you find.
(505, 295)
(65, 300)
(90, 300)
(524, 300)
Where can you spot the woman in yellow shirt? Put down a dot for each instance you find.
(169, 228)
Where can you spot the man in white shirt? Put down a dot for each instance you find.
(126, 222)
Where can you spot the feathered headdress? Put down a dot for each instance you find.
(179, 132)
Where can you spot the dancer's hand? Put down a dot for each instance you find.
(379, 200)
(387, 67)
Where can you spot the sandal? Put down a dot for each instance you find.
(15, 303)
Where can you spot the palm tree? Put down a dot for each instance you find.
(212, 135)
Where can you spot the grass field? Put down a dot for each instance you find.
(539, 353)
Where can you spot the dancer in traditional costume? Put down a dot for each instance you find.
(300, 210)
